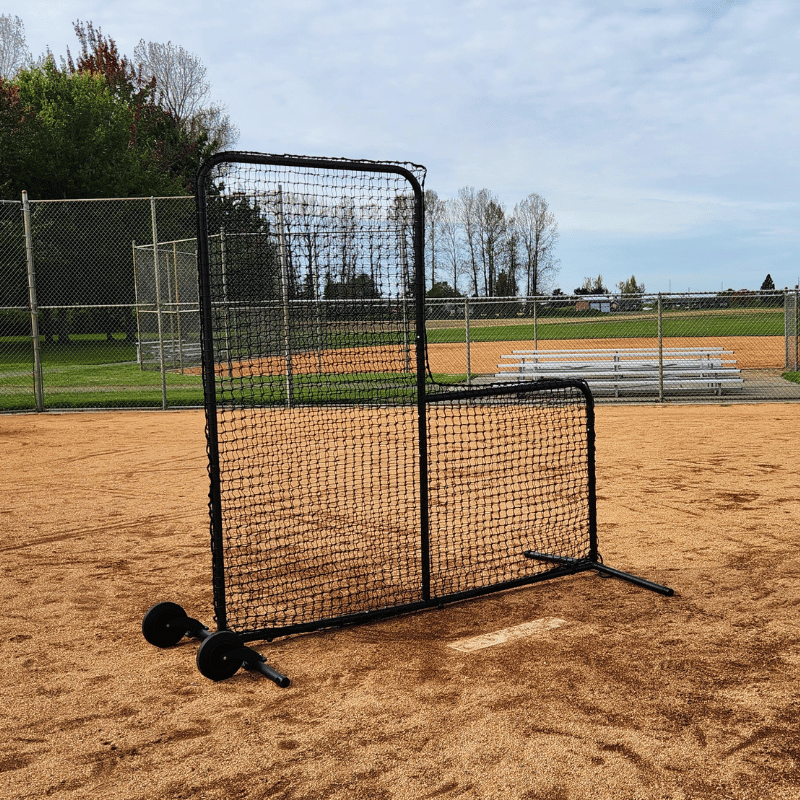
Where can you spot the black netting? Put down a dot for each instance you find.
(325, 503)
(507, 473)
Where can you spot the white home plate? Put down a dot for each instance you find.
(507, 634)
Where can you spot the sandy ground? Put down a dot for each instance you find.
(629, 695)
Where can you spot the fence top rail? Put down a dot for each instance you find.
(103, 305)
(111, 199)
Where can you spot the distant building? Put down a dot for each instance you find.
(596, 303)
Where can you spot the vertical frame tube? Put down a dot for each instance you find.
(210, 393)
(591, 473)
(422, 389)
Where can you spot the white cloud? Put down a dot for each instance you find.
(660, 118)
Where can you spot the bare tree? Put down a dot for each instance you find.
(450, 241)
(434, 210)
(467, 205)
(491, 235)
(538, 235)
(181, 83)
(182, 88)
(14, 53)
(507, 278)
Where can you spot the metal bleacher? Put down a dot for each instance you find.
(629, 371)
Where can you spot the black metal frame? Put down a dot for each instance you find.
(427, 394)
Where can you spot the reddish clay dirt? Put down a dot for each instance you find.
(634, 696)
(749, 352)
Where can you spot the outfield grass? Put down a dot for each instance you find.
(96, 386)
(768, 323)
(90, 371)
(87, 349)
(121, 385)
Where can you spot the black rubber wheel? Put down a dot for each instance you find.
(162, 626)
(213, 659)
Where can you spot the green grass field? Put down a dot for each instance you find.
(761, 323)
(92, 372)
(87, 372)
(121, 385)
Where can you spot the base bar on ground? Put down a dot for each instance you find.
(581, 566)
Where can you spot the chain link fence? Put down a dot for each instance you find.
(94, 315)
(69, 335)
(167, 303)
(740, 345)
(16, 348)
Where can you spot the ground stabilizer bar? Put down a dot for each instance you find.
(221, 653)
(583, 565)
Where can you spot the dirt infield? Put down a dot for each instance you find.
(601, 690)
(750, 352)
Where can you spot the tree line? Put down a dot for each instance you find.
(475, 246)
(97, 124)
(100, 124)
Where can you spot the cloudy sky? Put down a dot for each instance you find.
(663, 133)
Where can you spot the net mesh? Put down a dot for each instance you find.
(506, 474)
(321, 513)
(312, 277)
(325, 504)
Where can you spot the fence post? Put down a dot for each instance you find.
(223, 252)
(792, 328)
(466, 339)
(535, 329)
(158, 305)
(796, 347)
(786, 328)
(287, 340)
(38, 388)
(136, 299)
(660, 351)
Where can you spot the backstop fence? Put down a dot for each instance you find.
(94, 314)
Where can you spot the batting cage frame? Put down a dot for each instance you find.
(347, 481)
